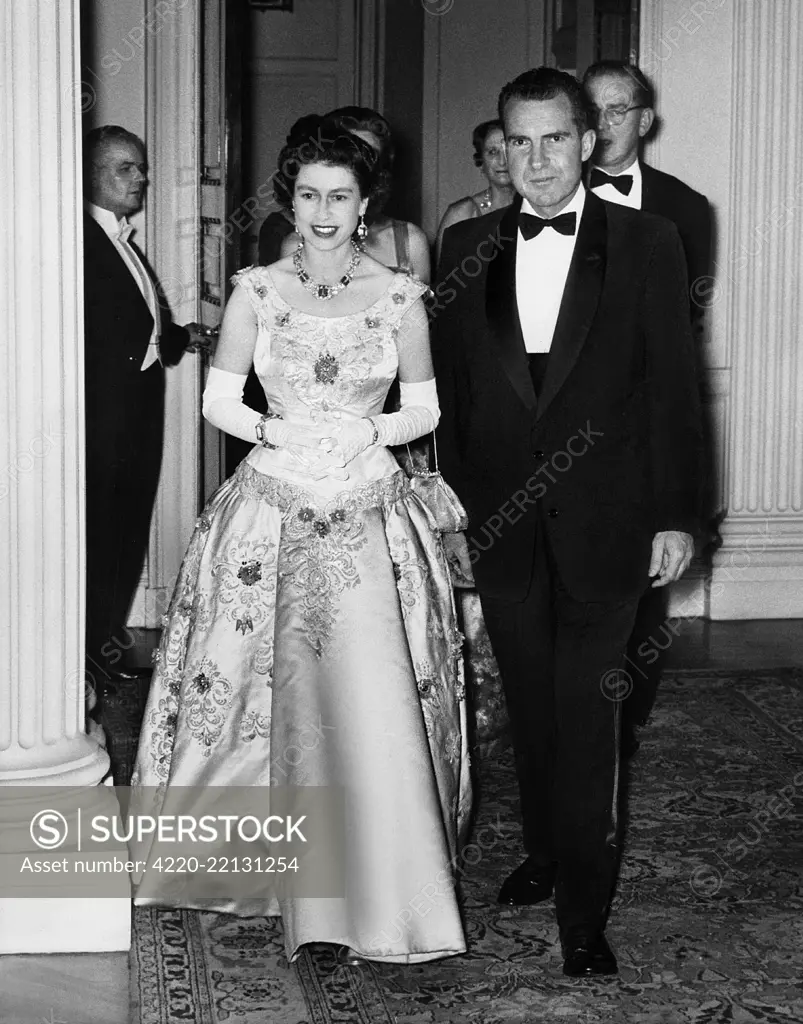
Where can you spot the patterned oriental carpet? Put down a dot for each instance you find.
(707, 920)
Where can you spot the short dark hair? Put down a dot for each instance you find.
(644, 93)
(480, 134)
(545, 84)
(366, 119)
(322, 140)
(97, 140)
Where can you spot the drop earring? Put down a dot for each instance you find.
(362, 229)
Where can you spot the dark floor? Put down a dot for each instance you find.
(699, 644)
(752, 644)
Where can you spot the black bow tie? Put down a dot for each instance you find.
(621, 182)
(531, 226)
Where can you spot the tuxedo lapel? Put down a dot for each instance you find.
(501, 309)
(111, 266)
(580, 299)
(649, 186)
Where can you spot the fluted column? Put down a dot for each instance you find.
(742, 148)
(758, 573)
(42, 735)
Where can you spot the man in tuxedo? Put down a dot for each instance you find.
(623, 103)
(570, 428)
(128, 339)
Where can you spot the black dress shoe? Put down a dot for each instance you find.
(585, 956)
(527, 885)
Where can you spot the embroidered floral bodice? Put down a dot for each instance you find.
(325, 369)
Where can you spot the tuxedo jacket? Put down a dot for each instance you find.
(688, 210)
(608, 454)
(121, 399)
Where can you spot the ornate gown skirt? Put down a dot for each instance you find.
(293, 618)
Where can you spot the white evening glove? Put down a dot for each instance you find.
(224, 408)
(418, 415)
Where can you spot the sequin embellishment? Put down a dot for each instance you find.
(326, 368)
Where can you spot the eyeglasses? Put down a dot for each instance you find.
(616, 115)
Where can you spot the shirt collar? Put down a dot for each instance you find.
(107, 220)
(575, 204)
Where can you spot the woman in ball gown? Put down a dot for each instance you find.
(488, 139)
(315, 587)
(398, 244)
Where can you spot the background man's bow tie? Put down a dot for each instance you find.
(124, 232)
(621, 182)
(564, 224)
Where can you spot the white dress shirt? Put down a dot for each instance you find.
(118, 232)
(613, 195)
(542, 266)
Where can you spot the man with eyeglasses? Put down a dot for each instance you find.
(622, 99)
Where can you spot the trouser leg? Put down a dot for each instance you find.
(646, 656)
(590, 641)
(521, 638)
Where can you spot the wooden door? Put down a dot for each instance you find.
(581, 32)
(222, 32)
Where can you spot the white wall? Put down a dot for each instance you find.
(114, 67)
(690, 58)
(113, 70)
(470, 51)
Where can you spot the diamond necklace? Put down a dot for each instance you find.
(325, 291)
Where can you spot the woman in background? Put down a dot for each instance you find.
(488, 139)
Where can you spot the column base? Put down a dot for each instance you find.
(40, 925)
(80, 761)
(688, 598)
(758, 571)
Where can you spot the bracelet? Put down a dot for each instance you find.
(375, 438)
(260, 429)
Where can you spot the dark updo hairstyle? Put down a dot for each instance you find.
(322, 140)
(364, 119)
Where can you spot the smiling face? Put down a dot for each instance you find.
(327, 205)
(545, 151)
(119, 177)
(494, 158)
(615, 97)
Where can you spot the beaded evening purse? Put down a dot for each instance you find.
(449, 514)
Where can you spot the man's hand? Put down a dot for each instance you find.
(202, 339)
(671, 553)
